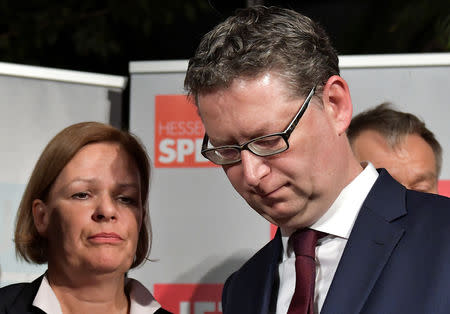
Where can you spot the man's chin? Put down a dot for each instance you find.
(280, 213)
(280, 220)
(287, 220)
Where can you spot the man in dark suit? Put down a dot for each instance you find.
(350, 239)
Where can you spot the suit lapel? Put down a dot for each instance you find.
(252, 291)
(270, 291)
(162, 311)
(263, 279)
(370, 245)
(23, 301)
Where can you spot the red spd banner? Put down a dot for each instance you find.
(178, 133)
(444, 187)
(273, 230)
(190, 298)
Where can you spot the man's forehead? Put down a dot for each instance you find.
(246, 109)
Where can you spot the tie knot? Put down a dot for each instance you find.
(304, 242)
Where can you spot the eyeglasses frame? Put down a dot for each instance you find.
(284, 134)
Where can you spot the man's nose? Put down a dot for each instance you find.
(254, 167)
(105, 210)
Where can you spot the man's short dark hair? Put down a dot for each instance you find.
(394, 126)
(261, 39)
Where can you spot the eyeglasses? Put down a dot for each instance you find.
(263, 146)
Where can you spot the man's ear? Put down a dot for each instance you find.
(41, 217)
(338, 103)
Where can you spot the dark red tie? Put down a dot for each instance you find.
(304, 243)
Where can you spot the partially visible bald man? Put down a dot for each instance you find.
(400, 143)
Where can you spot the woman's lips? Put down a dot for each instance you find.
(105, 237)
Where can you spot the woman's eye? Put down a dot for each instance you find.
(127, 200)
(80, 195)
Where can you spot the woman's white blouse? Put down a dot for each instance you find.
(141, 300)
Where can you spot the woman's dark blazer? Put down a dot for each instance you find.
(18, 299)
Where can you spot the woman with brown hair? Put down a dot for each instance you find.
(84, 213)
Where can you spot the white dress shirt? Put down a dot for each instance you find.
(337, 222)
(141, 300)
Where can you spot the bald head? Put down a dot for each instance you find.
(411, 161)
(399, 142)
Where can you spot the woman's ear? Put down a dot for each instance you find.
(338, 103)
(41, 216)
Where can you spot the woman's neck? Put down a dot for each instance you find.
(93, 293)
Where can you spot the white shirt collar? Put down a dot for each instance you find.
(339, 219)
(141, 300)
(45, 298)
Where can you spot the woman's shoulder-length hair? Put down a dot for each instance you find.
(59, 151)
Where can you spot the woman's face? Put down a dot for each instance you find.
(93, 213)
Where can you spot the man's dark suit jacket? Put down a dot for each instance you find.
(18, 299)
(396, 261)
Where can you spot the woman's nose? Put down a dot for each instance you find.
(105, 210)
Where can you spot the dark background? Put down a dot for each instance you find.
(104, 35)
